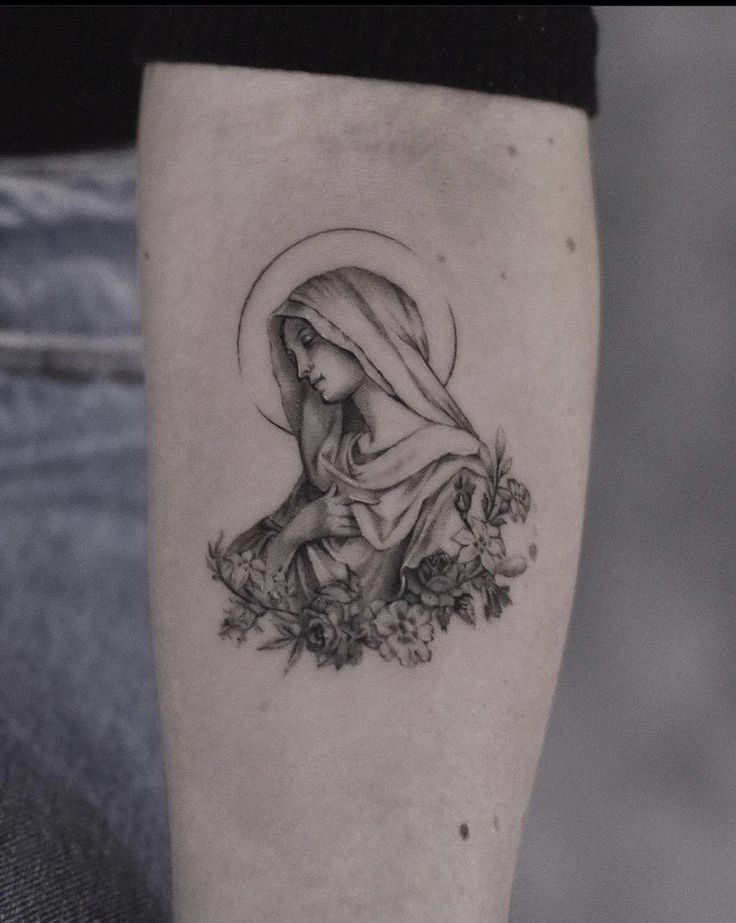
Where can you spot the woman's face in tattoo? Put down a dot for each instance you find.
(334, 373)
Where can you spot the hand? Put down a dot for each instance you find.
(329, 515)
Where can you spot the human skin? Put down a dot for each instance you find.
(330, 370)
(377, 793)
(336, 376)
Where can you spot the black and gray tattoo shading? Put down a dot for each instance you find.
(395, 527)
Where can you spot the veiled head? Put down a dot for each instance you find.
(332, 371)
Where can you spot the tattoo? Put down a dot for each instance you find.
(396, 526)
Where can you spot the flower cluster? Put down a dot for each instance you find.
(336, 622)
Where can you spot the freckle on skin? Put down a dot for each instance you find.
(570, 244)
(551, 140)
(464, 831)
(496, 824)
(513, 150)
(145, 254)
(441, 258)
(503, 274)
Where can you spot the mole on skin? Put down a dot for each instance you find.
(464, 831)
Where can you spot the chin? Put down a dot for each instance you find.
(329, 396)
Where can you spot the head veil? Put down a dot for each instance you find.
(381, 326)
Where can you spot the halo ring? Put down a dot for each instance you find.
(321, 252)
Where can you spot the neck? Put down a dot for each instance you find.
(387, 419)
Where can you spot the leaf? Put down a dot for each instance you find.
(213, 549)
(496, 598)
(505, 466)
(500, 443)
(443, 617)
(503, 595)
(486, 504)
(354, 581)
(295, 654)
(342, 652)
(275, 643)
(498, 522)
(283, 620)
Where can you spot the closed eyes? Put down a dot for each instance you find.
(306, 339)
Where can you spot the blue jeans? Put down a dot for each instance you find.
(83, 825)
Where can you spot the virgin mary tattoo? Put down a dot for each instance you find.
(394, 530)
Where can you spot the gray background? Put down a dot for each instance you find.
(634, 813)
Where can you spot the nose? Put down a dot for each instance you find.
(303, 368)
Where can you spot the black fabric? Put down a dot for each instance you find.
(545, 52)
(71, 75)
(68, 77)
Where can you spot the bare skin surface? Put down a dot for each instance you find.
(378, 792)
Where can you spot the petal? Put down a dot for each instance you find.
(464, 537)
(489, 561)
(423, 652)
(383, 620)
(468, 553)
(425, 633)
(402, 652)
(479, 527)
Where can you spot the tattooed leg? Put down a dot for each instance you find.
(370, 320)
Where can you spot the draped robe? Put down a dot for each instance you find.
(403, 495)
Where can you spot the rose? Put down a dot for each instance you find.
(321, 634)
(331, 624)
(438, 572)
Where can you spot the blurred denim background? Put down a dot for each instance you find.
(634, 813)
